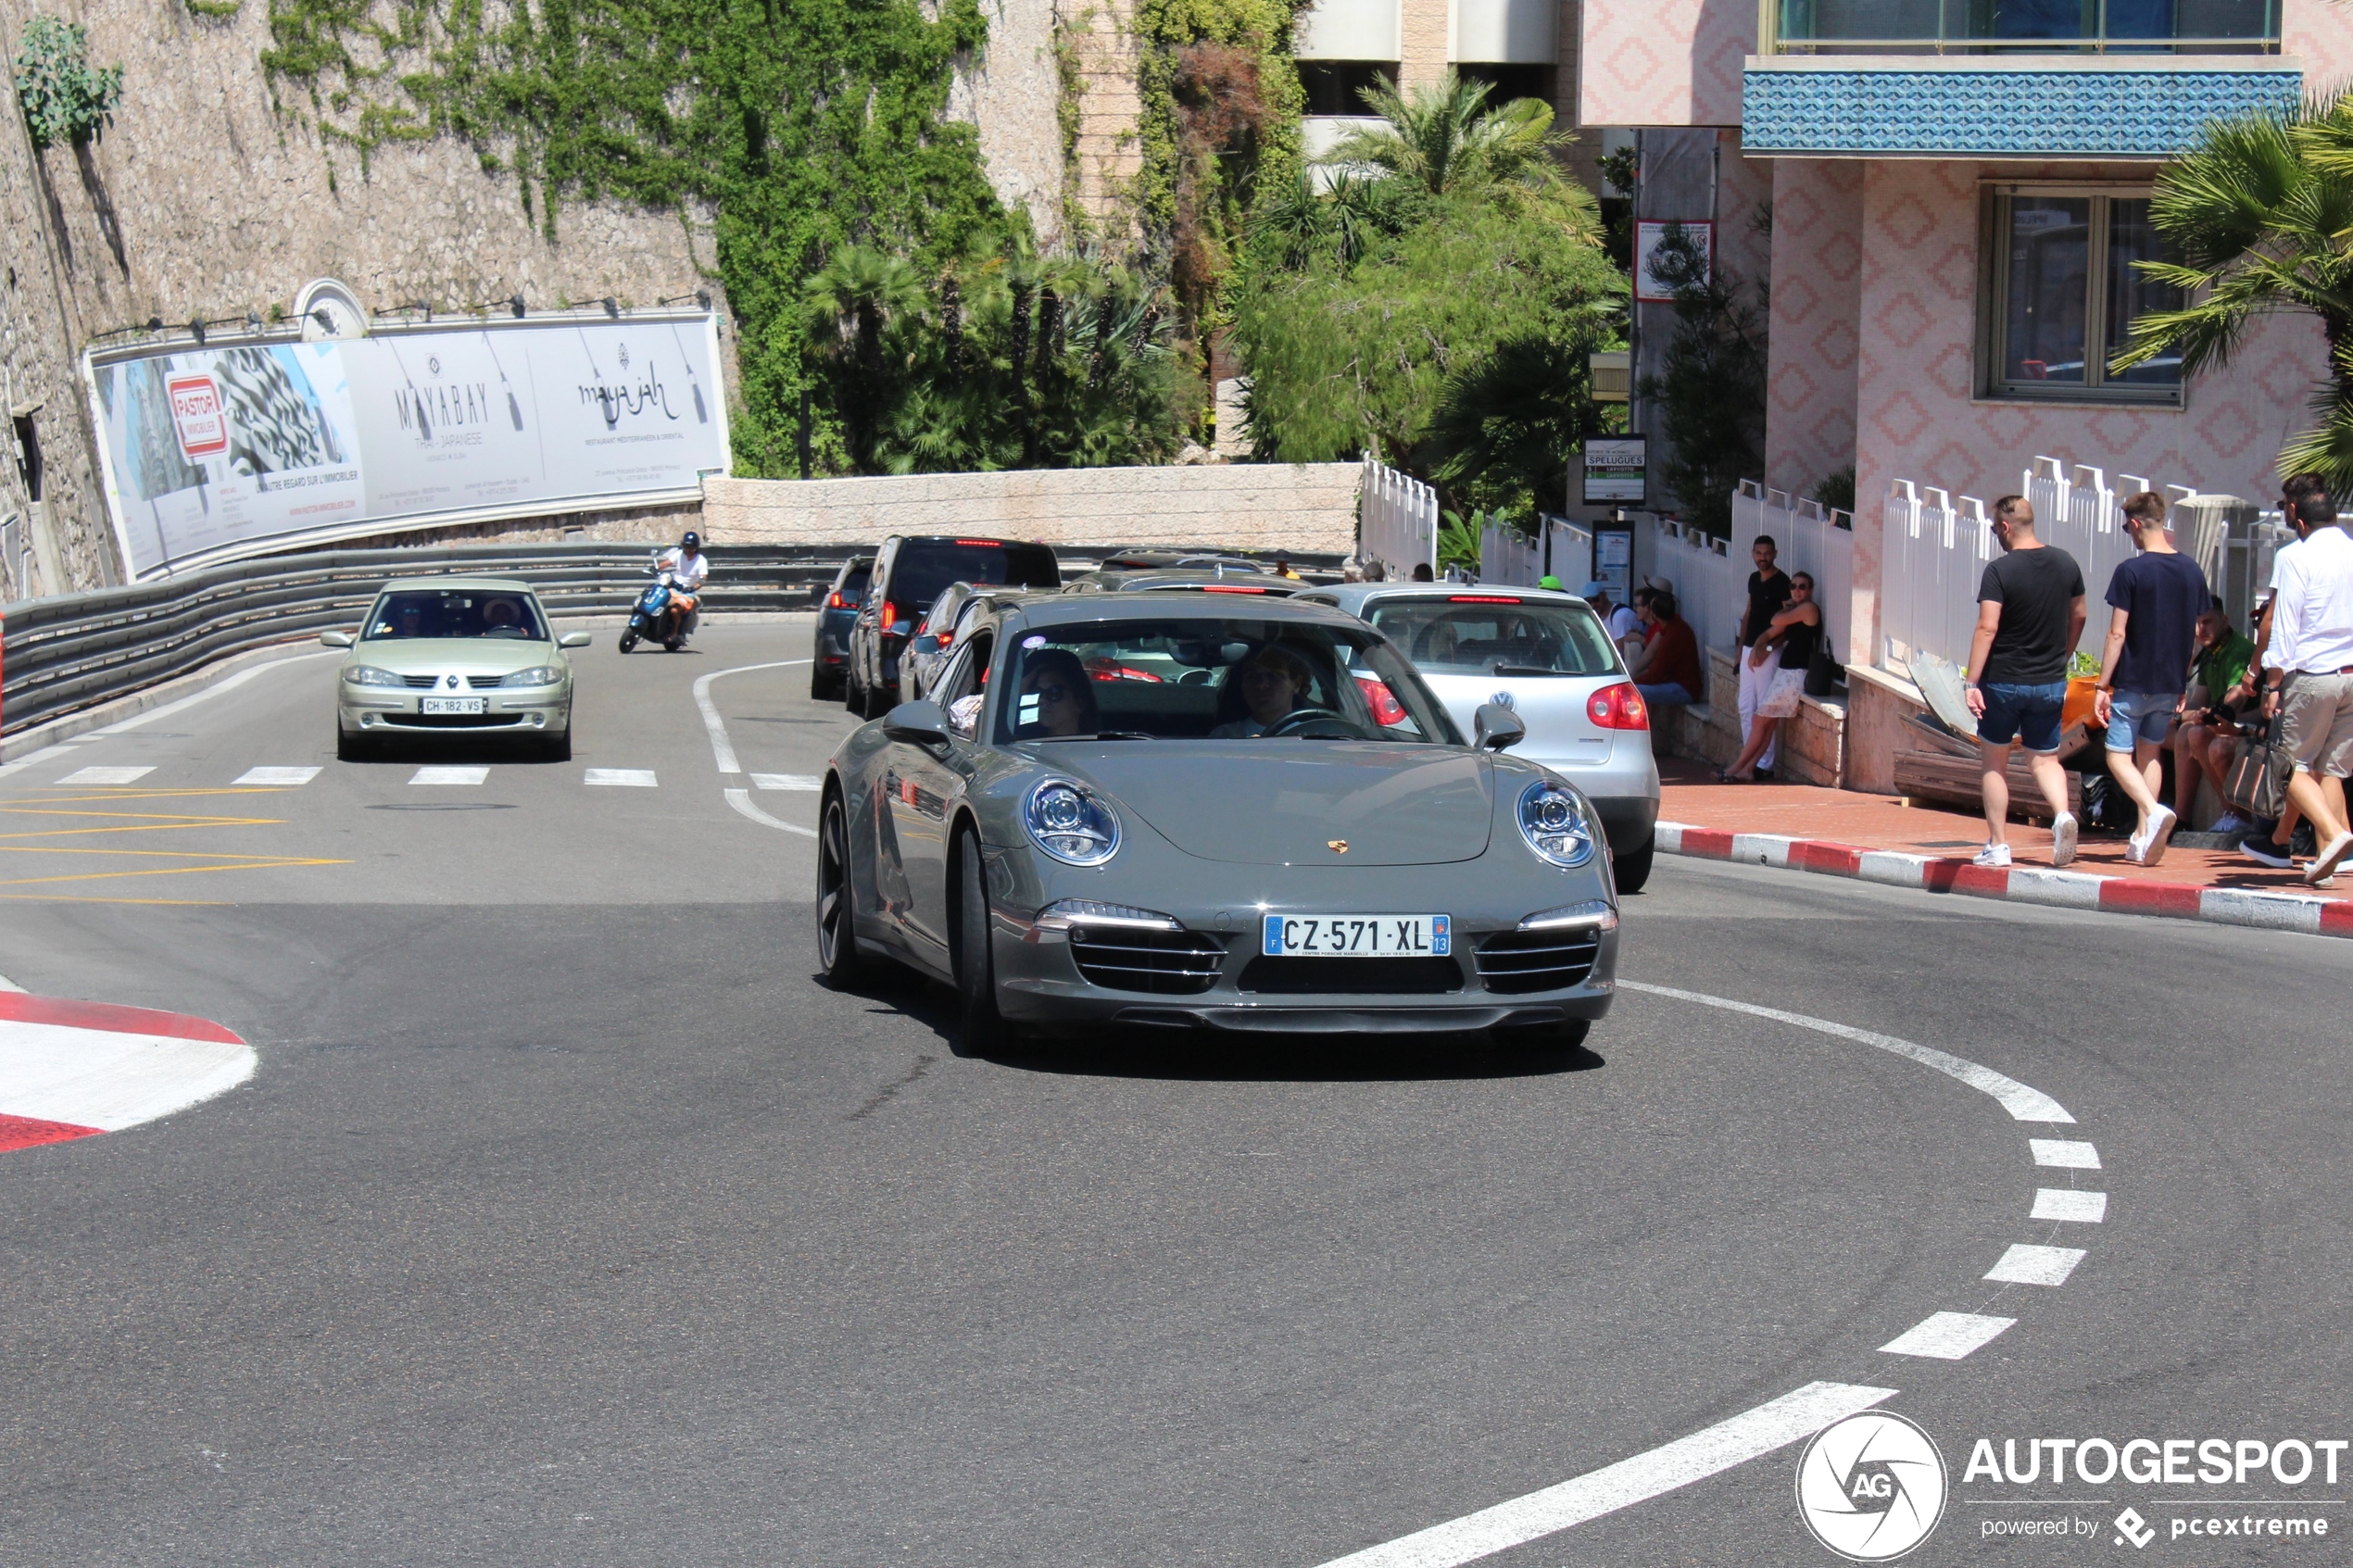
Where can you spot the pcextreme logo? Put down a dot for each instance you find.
(1871, 1486)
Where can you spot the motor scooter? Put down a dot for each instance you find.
(662, 615)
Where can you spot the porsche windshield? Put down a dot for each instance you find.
(1496, 633)
(1189, 679)
(456, 612)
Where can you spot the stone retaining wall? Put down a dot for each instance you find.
(1307, 508)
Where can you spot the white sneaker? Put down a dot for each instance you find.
(1993, 857)
(2332, 855)
(2159, 830)
(2063, 837)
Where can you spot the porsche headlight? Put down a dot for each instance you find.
(537, 675)
(369, 675)
(1070, 824)
(1558, 824)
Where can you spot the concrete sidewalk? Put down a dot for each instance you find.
(1881, 838)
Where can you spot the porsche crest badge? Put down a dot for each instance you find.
(1337, 846)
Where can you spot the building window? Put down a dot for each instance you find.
(1508, 81)
(1338, 87)
(2061, 292)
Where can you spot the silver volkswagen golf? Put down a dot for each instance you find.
(454, 655)
(1548, 659)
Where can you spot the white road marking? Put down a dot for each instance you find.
(2025, 1264)
(1947, 1337)
(809, 781)
(721, 751)
(98, 1078)
(741, 800)
(8, 984)
(2071, 1203)
(450, 774)
(2067, 1154)
(1751, 1434)
(282, 777)
(106, 775)
(228, 683)
(2024, 1104)
(626, 778)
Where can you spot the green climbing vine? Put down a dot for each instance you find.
(64, 98)
(802, 125)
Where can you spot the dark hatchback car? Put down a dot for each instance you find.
(829, 660)
(910, 575)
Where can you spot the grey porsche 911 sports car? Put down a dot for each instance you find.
(1187, 812)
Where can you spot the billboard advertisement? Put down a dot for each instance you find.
(239, 447)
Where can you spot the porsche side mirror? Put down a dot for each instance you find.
(924, 644)
(575, 640)
(917, 723)
(335, 639)
(1497, 727)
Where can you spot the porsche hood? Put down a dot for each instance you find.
(1257, 802)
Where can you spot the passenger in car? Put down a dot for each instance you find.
(1274, 681)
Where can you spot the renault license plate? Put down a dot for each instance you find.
(456, 704)
(1357, 936)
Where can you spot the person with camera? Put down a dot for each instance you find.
(2213, 715)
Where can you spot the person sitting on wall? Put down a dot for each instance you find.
(1667, 671)
(2207, 739)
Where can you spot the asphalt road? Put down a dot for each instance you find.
(568, 1221)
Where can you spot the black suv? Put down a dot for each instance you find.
(829, 660)
(909, 574)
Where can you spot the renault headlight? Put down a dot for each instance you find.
(369, 675)
(537, 675)
(1558, 824)
(1070, 824)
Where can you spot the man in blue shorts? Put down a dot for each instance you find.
(2029, 613)
(2155, 600)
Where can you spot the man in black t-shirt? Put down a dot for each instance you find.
(1767, 595)
(2029, 615)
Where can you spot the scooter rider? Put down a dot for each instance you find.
(688, 567)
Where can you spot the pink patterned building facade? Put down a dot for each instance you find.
(1953, 222)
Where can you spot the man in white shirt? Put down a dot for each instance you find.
(688, 566)
(2309, 674)
(1620, 619)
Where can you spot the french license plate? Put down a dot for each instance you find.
(1357, 936)
(456, 704)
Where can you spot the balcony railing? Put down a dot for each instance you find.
(2017, 27)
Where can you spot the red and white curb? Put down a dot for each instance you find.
(71, 1068)
(2023, 884)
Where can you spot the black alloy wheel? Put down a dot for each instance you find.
(838, 952)
(981, 1029)
(1634, 869)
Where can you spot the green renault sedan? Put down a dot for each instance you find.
(454, 655)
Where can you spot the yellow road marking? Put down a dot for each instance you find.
(122, 822)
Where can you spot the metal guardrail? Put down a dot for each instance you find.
(60, 655)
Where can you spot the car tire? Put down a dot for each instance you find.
(819, 687)
(838, 955)
(628, 641)
(557, 749)
(854, 694)
(879, 701)
(1634, 869)
(350, 748)
(981, 1029)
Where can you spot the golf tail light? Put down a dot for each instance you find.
(1070, 824)
(1386, 710)
(1619, 707)
(1556, 824)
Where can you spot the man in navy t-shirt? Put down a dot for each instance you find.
(2156, 599)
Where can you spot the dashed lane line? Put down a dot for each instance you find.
(621, 778)
(1944, 1335)
(449, 773)
(277, 778)
(2073, 1205)
(808, 783)
(85, 777)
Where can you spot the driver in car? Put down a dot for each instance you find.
(1275, 682)
(500, 618)
(1056, 691)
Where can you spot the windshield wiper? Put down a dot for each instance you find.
(1105, 734)
(1525, 670)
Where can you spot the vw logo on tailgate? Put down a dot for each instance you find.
(1502, 699)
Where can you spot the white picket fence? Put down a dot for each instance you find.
(1710, 582)
(1936, 547)
(1396, 522)
(1507, 555)
(1809, 538)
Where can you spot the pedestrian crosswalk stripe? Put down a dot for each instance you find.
(634, 778)
(106, 775)
(808, 782)
(449, 775)
(284, 777)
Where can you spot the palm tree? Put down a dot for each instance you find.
(1446, 141)
(2258, 212)
(858, 292)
